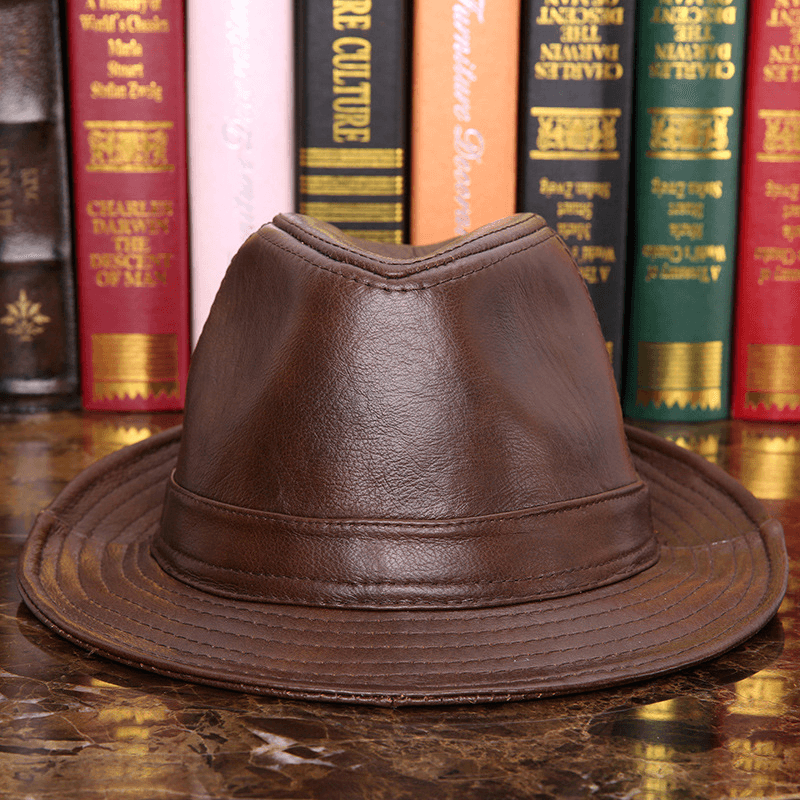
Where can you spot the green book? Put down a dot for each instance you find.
(689, 70)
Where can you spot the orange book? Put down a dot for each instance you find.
(464, 116)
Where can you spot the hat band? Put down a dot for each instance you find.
(498, 559)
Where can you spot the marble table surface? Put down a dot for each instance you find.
(73, 725)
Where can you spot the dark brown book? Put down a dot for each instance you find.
(38, 342)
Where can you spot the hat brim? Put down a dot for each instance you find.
(87, 572)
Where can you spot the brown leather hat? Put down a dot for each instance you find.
(404, 478)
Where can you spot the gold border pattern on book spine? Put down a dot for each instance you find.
(351, 157)
(135, 364)
(353, 212)
(680, 373)
(363, 177)
(773, 376)
(366, 185)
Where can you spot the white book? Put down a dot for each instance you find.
(240, 110)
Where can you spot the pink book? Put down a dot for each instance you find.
(239, 87)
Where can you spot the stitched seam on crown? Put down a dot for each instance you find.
(391, 261)
(265, 516)
(627, 554)
(355, 279)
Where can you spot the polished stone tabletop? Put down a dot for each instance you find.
(73, 725)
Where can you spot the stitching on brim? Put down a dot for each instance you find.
(239, 668)
(227, 605)
(132, 602)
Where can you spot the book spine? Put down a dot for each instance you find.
(38, 334)
(465, 98)
(127, 87)
(686, 148)
(766, 361)
(352, 115)
(240, 131)
(575, 124)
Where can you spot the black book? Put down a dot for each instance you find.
(352, 115)
(575, 134)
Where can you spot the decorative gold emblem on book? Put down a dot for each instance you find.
(24, 318)
(689, 134)
(773, 376)
(128, 146)
(781, 136)
(680, 374)
(127, 365)
(567, 134)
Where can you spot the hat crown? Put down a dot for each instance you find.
(350, 394)
(477, 382)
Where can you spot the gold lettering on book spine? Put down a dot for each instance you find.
(568, 134)
(773, 376)
(133, 146)
(781, 136)
(686, 374)
(689, 134)
(135, 365)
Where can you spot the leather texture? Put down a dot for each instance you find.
(403, 479)
(412, 427)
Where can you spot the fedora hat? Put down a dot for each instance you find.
(403, 478)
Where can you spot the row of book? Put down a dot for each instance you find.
(660, 139)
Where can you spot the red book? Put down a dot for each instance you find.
(766, 382)
(127, 93)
